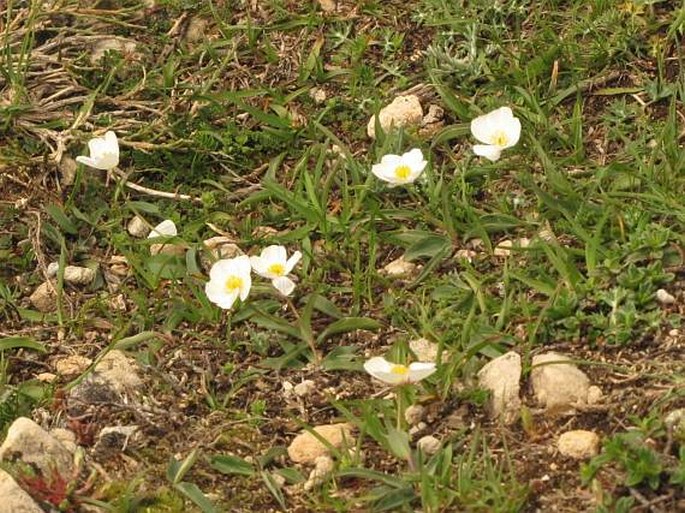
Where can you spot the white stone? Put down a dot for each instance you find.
(404, 111)
(28, 442)
(578, 444)
(399, 268)
(413, 414)
(14, 499)
(557, 383)
(465, 254)
(137, 227)
(428, 444)
(119, 44)
(120, 371)
(425, 350)
(305, 388)
(664, 297)
(327, 6)
(501, 377)
(78, 275)
(306, 448)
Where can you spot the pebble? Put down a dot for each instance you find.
(306, 448)
(14, 499)
(399, 268)
(72, 366)
(501, 377)
(137, 227)
(428, 445)
(404, 111)
(44, 298)
(414, 413)
(579, 444)
(305, 388)
(664, 297)
(558, 384)
(323, 466)
(425, 350)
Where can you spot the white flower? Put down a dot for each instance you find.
(229, 280)
(498, 129)
(400, 169)
(166, 228)
(104, 152)
(274, 264)
(398, 374)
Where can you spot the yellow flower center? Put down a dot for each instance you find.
(500, 139)
(402, 172)
(400, 369)
(233, 283)
(277, 269)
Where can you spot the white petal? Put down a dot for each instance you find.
(292, 262)
(88, 161)
(274, 254)
(259, 265)
(391, 160)
(245, 289)
(513, 130)
(242, 266)
(413, 157)
(112, 142)
(488, 151)
(217, 294)
(384, 172)
(166, 228)
(284, 285)
(381, 369)
(420, 370)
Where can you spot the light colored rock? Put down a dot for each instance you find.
(425, 350)
(594, 395)
(219, 248)
(428, 445)
(196, 31)
(404, 111)
(306, 448)
(504, 248)
(78, 275)
(26, 441)
(120, 371)
(323, 466)
(137, 227)
(66, 437)
(417, 428)
(327, 6)
(465, 254)
(664, 297)
(44, 298)
(118, 265)
(67, 170)
(433, 121)
(557, 383)
(414, 414)
(318, 94)
(399, 268)
(72, 366)
(501, 377)
(119, 44)
(305, 388)
(168, 248)
(46, 377)
(14, 499)
(264, 232)
(578, 444)
(675, 423)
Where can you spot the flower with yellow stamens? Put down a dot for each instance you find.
(498, 130)
(400, 169)
(273, 263)
(396, 373)
(229, 280)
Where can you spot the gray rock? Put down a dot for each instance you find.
(558, 384)
(501, 377)
(26, 441)
(14, 499)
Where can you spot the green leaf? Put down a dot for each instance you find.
(274, 489)
(372, 475)
(342, 358)
(193, 493)
(61, 219)
(398, 442)
(20, 343)
(177, 470)
(430, 246)
(348, 324)
(227, 464)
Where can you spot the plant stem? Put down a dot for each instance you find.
(306, 334)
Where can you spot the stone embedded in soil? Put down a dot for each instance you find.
(305, 388)
(72, 366)
(502, 377)
(167, 249)
(404, 111)
(425, 350)
(504, 248)
(579, 444)
(44, 298)
(219, 248)
(675, 422)
(120, 371)
(26, 441)
(126, 47)
(414, 413)
(137, 227)
(14, 499)
(428, 444)
(114, 439)
(323, 466)
(664, 297)
(306, 448)
(73, 274)
(400, 268)
(557, 383)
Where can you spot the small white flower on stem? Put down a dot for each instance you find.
(273, 263)
(498, 130)
(166, 228)
(229, 280)
(398, 374)
(400, 169)
(104, 152)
